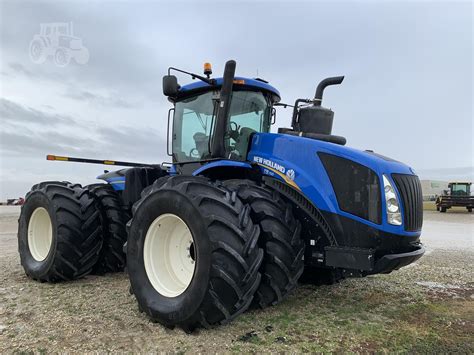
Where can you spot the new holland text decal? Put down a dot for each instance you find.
(271, 168)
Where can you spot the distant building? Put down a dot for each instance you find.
(433, 188)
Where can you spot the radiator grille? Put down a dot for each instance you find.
(409, 188)
(356, 186)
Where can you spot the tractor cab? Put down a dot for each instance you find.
(203, 128)
(459, 188)
(194, 120)
(55, 29)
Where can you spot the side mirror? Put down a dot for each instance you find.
(170, 85)
(274, 116)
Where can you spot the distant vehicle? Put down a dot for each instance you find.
(57, 40)
(458, 195)
(15, 201)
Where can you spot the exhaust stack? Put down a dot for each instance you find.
(218, 146)
(318, 96)
(315, 119)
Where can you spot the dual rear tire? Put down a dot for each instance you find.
(59, 234)
(200, 253)
(113, 218)
(67, 231)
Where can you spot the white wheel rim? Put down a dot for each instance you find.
(40, 234)
(168, 255)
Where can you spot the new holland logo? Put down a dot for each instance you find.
(270, 164)
(290, 173)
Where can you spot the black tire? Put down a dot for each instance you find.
(76, 232)
(113, 220)
(227, 257)
(443, 210)
(280, 238)
(62, 57)
(37, 51)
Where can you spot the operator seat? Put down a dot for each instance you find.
(202, 144)
(243, 140)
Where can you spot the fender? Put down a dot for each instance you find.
(228, 169)
(114, 178)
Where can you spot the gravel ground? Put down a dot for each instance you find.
(425, 307)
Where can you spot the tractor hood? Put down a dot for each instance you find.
(315, 168)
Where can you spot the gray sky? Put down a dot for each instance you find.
(407, 93)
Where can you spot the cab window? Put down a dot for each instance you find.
(249, 113)
(194, 120)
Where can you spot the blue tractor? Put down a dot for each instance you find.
(238, 217)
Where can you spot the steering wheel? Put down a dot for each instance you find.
(194, 153)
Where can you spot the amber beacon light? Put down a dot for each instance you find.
(207, 69)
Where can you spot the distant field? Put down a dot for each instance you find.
(427, 308)
(430, 206)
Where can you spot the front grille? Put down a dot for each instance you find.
(409, 188)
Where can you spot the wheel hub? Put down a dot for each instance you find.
(40, 234)
(169, 255)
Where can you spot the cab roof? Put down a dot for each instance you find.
(249, 83)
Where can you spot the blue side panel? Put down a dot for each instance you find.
(172, 170)
(294, 160)
(115, 178)
(221, 164)
(117, 183)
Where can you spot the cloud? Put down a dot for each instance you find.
(140, 145)
(33, 72)
(398, 58)
(72, 91)
(134, 143)
(21, 69)
(86, 139)
(110, 100)
(14, 113)
(465, 173)
(28, 143)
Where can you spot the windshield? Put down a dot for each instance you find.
(192, 127)
(194, 118)
(62, 30)
(459, 189)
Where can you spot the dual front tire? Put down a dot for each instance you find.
(200, 253)
(192, 251)
(280, 238)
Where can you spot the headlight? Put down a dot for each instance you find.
(391, 201)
